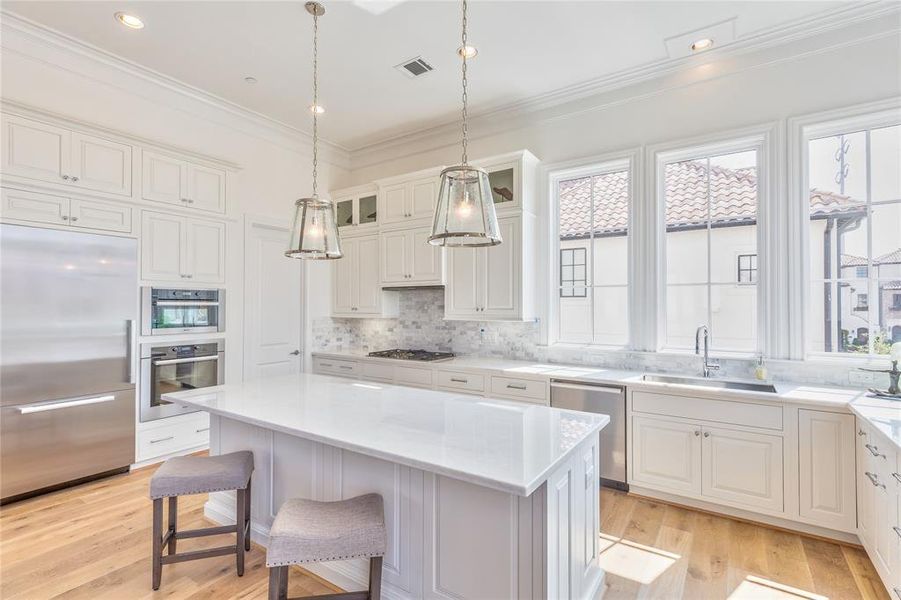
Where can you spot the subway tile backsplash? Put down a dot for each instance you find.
(422, 325)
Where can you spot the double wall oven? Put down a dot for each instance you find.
(176, 367)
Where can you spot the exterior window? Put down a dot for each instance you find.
(896, 301)
(855, 246)
(747, 268)
(573, 274)
(593, 240)
(710, 203)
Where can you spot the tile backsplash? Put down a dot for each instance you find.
(421, 324)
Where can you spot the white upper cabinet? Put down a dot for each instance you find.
(423, 198)
(412, 199)
(176, 181)
(38, 150)
(409, 260)
(175, 248)
(355, 279)
(51, 209)
(356, 210)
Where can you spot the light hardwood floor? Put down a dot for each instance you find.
(93, 541)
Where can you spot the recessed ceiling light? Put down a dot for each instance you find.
(250, 79)
(130, 21)
(702, 44)
(317, 108)
(468, 51)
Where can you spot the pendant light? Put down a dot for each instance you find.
(465, 214)
(314, 234)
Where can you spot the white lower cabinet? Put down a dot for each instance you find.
(172, 435)
(826, 469)
(666, 454)
(355, 279)
(742, 468)
(37, 207)
(182, 249)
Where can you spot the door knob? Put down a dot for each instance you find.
(295, 353)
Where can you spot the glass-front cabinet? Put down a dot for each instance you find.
(512, 179)
(356, 208)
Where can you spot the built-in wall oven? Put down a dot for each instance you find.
(177, 367)
(178, 310)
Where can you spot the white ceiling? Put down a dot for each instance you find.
(526, 49)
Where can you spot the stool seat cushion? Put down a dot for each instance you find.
(311, 531)
(183, 475)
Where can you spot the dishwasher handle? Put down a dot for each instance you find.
(585, 387)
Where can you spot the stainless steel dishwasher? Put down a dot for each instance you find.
(607, 400)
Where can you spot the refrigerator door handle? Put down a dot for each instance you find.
(130, 349)
(24, 410)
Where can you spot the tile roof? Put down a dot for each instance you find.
(850, 260)
(734, 200)
(892, 258)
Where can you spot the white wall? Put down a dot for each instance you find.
(275, 163)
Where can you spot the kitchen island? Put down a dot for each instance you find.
(483, 499)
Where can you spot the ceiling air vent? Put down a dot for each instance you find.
(414, 67)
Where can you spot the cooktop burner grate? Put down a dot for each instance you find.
(421, 355)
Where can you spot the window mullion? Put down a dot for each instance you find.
(871, 311)
(709, 266)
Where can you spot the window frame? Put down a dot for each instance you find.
(573, 281)
(752, 269)
(802, 130)
(552, 175)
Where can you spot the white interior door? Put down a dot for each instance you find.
(273, 306)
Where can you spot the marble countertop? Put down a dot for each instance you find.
(508, 446)
(883, 415)
(786, 392)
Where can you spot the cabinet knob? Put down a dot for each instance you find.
(73, 219)
(861, 432)
(706, 434)
(64, 218)
(295, 353)
(65, 177)
(74, 178)
(697, 433)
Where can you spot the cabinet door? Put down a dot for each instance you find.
(343, 276)
(395, 262)
(206, 188)
(102, 165)
(884, 535)
(100, 215)
(163, 179)
(30, 206)
(162, 246)
(423, 198)
(666, 455)
(501, 275)
(865, 489)
(826, 469)
(36, 150)
(462, 296)
(742, 467)
(426, 260)
(368, 290)
(206, 251)
(394, 203)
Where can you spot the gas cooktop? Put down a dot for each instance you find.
(421, 355)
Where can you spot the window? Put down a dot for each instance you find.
(896, 301)
(747, 268)
(592, 205)
(854, 176)
(573, 275)
(710, 203)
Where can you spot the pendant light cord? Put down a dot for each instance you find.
(464, 83)
(315, 101)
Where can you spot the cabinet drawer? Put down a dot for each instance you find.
(336, 366)
(721, 411)
(377, 371)
(413, 376)
(165, 439)
(527, 389)
(457, 380)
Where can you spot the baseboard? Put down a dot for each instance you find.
(831, 535)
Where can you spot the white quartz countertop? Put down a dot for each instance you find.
(508, 446)
(884, 415)
(787, 392)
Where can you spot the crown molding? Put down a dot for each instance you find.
(761, 40)
(38, 42)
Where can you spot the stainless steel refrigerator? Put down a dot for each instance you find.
(68, 301)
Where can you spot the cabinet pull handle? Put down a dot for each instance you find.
(165, 439)
(897, 592)
(897, 530)
(344, 367)
(873, 450)
(515, 387)
(897, 477)
(874, 479)
(455, 380)
(201, 430)
(861, 432)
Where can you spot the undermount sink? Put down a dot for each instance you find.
(721, 384)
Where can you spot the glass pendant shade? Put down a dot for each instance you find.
(314, 234)
(465, 214)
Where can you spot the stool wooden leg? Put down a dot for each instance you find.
(239, 526)
(278, 583)
(247, 514)
(173, 519)
(375, 578)
(157, 570)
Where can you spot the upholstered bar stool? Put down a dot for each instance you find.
(306, 531)
(185, 475)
